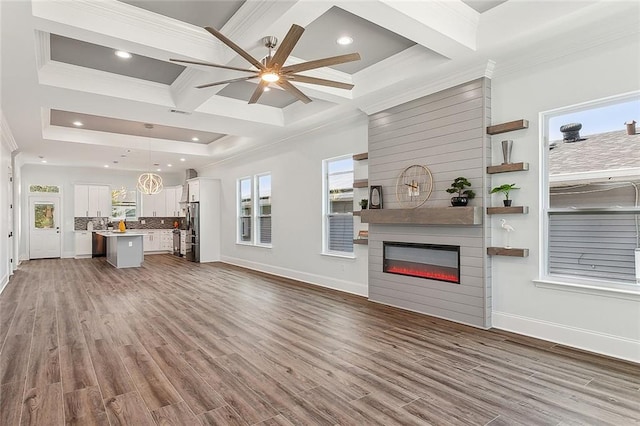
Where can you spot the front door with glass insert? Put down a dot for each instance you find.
(44, 227)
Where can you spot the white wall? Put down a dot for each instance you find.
(604, 323)
(296, 173)
(66, 178)
(5, 165)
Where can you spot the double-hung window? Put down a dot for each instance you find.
(338, 205)
(592, 182)
(245, 210)
(254, 210)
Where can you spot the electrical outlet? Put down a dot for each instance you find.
(161, 221)
(143, 221)
(130, 243)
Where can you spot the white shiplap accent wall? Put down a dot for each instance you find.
(444, 131)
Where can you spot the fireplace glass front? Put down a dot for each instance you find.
(431, 261)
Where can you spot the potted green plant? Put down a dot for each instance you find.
(464, 195)
(505, 189)
(364, 203)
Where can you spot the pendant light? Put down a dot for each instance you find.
(149, 183)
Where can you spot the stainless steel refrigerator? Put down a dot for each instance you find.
(193, 232)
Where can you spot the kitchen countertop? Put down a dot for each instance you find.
(120, 234)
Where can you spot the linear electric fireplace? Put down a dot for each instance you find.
(432, 261)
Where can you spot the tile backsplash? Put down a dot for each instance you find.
(80, 223)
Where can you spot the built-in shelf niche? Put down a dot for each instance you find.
(508, 210)
(424, 216)
(507, 251)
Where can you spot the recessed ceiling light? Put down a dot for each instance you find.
(267, 89)
(43, 161)
(106, 166)
(183, 159)
(195, 139)
(78, 123)
(158, 170)
(122, 54)
(344, 40)
(169, 165)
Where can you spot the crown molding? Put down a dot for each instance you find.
(380, 102)
(7, 136)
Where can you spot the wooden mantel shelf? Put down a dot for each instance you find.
(424, 216)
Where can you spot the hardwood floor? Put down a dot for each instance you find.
(177, 343)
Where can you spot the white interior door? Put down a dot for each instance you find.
(44, 227)
(10, 244)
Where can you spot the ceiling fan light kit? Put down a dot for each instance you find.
(271, 70)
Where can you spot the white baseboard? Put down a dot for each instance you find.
(4, 282)
(68, 254)
(605, 344)
(319, 280)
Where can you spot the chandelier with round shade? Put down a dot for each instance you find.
(149, 183)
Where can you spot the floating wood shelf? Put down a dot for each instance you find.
(424, 216)
(362, 241)
(359, 157)
(357, 213)
(504, 251)
(508, 210)
(507, 127)
(361, 183)
(511, 167)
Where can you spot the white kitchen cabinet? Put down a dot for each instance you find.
(166, 240)
(83, 244)
(194, 190)
(172, 201)
(151, 241)
(154, 205)
(92, 201)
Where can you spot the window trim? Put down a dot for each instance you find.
(257, 216)
(601, 287)
(325, 210)
(255, 205)
(239, 215)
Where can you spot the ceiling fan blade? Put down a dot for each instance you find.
(319, 63)
(217, 83)
(287, 45)
(209, 64)
(240, 51)
(293, 90)
(320, 81)
(258, 92)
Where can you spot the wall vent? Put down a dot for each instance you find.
(177, 111)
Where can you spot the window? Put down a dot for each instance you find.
(263, 209)
(245, 210)
(124, 204)
(44, 188)
(260, 185)
(338, 205)
(593, 190)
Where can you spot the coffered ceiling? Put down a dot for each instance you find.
(59, 66)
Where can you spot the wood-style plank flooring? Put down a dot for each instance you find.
(178, 343)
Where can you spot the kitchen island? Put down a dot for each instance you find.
(124, 249)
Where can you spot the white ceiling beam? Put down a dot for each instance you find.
(446, 27)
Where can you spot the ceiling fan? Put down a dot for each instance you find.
(271, 69)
